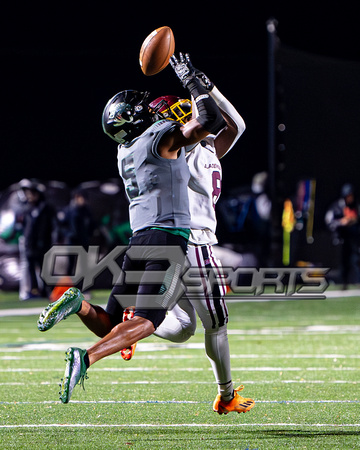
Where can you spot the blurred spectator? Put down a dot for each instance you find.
(261, 217)
(37, 223)
(342, 219)
(303, 203)
(245, 221)
(78, 225)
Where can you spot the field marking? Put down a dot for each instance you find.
(146, 382)
(182, 369)
(321, 329)
(12, 312)
(296, 356)
(178, 425)
(146, 347)
(342, 293)
(157, 357)
(327, 295)
(174, 369)
(248, 382)
(177, 402)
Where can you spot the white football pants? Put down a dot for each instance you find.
(180, 323)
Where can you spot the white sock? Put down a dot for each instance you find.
(217, 350)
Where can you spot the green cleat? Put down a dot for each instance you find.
(69, 303)
(75, 372)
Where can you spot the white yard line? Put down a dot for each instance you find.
(162, 369)
(318, 329)
(158, 357)
(20, 312)
(34, 311)
(342, 293)
(176, 402)
(182, 425)
(158, 347)
(329, 294)
(147, 382)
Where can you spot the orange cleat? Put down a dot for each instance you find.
(128, 353)
(237, 404)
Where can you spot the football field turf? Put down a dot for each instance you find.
(298, 359)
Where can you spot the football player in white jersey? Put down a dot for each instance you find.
(204, 189)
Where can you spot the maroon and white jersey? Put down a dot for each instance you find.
(204, 190)
(205, 177)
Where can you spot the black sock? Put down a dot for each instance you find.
(226, 390)
(79, 308)
(86, 360)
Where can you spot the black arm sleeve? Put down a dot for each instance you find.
(210, 117)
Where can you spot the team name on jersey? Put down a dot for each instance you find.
(212, 166)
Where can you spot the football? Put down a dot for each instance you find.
(156, 51)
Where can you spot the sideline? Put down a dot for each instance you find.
(328, 295)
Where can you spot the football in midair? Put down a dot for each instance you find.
(156, 51)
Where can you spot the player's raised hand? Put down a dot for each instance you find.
(185, 71)
(183, 68)
(204, 80)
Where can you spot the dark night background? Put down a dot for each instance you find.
(60, 64)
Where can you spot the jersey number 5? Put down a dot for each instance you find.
(128, 174)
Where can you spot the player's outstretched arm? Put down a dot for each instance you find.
(209, 119)
(235, 125)
(227, 138)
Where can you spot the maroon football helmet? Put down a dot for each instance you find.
(172, 107)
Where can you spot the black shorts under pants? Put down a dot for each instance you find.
(149, 250)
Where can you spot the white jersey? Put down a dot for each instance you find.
(204, 191)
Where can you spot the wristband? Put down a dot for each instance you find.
(209, 117)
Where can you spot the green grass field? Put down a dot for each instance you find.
(299, 360)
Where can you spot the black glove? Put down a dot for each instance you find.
(204, 80)
(183, 68)
(198, 85)
(186, 71)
